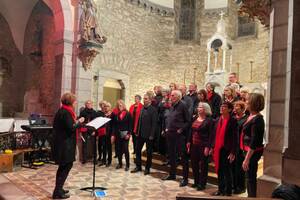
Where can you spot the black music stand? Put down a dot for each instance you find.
(93, 187)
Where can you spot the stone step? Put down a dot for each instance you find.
(158, 160)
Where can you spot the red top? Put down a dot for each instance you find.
(209, 95)
(195, 135)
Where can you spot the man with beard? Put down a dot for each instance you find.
(145, 134)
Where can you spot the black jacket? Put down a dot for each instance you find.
(254, 132)
(231, 135)
(147, 122)
(205, 132)
(64, 137)
(179, 118)
(215, 103)
(124, 124)
(189, 103)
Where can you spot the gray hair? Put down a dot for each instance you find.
(178, 93)
(206, 107)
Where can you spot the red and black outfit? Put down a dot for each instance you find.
(201, 138)
(225, 143)
(64, 146)
(252, 138)
(101, 133)
(135, 111)
(89, 114)
(122, 124)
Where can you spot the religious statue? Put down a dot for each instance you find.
(89, 24)
(91, 40)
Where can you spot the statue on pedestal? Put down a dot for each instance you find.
(91, 40)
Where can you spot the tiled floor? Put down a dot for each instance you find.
(121, 185)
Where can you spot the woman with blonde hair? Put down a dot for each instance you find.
(200, 144)
(122, 128)
(230, 95)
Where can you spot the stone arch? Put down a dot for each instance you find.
(123, 79)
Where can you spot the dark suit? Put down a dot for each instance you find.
(178, 120)
(215, 104)
(64, 146)
(146, 134)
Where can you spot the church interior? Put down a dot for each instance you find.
(107, 50)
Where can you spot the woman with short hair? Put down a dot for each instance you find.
(64, 142)
(251, 141)
(121, 133)
(200, 145)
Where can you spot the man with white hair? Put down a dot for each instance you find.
(178, 122)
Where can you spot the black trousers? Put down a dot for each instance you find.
(177, 148)
(85, 146)
(149, 149)
(61, 176)
(134, 142)
(239, 181)
(104, 149)
(224, 173)
(122, 148)
(251, 174)
(199, 164)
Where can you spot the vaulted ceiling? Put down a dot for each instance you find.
(17, 15)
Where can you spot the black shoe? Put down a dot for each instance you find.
(108, 164)
(238, 191)
(169, 177)
(65, 191)
(200, 187)
(118, 166)
(195, 185)
(115, 156)
(126, 168)
(101, 163)
(133, 152)
(218, 193)
(147, 171)
(183, 183)
(135, 170)
(60, 196)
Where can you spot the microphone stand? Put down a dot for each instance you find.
(93, 188)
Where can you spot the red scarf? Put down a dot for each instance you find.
(137, 114)
(73, 114)
(70, 110)
(220, 137)
(209, 95)
(122, 114)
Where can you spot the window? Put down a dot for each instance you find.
(187, 20)
(246, 27)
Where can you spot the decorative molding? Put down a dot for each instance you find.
(153, 7)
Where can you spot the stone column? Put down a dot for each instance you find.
(224, 59)
(208, 61)
(279, 97)
(291, 156)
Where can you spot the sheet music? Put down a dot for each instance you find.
(6, 125)
(98, 122)
(19, 123)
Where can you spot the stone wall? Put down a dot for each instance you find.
(143, 45)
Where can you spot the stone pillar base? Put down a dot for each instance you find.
(266, 185)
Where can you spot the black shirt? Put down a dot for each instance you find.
(147, 122)
(254, 132)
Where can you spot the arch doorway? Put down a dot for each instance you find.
(112, 91)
